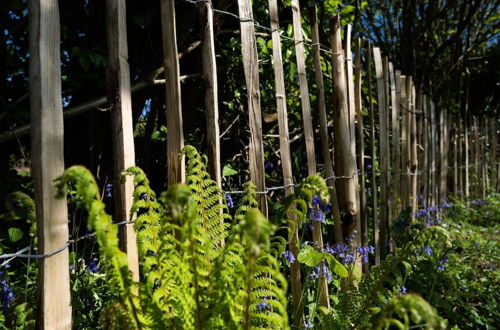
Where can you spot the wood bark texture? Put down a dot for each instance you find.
(47, 158)
(251, 68)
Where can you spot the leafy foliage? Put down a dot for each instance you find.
(197, 272)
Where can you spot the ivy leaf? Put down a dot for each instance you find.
(228, 170)
(15, 234)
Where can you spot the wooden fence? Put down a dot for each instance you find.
(424, 151)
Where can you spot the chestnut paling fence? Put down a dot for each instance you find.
(422, 150)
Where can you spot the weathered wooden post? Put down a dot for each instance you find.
(211, 89)
(384, 152)
(494, 160)
(425, 145)
(119, 96)
(323, 124)
(405, 138)
(434, 163)
(345, 160)
(286, 159)
(304, 89)
(374, 185)
(395, 101)
(175, 142)
(47, 158)
(414, 156)
(251, 68)
(363, 218)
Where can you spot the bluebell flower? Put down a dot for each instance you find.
(268, 165)
(316, 215)
(325, 207)
(352, 237)
(476, 244)
(109, 190)
(316, 200)
(427, 250)
(445, 204)
(92, 266)
(369, 166)
(322, 269)
(6, 293)
(442, 263)
(289, 256)
(229, 201)
(263, 306)
(363, 252)
(307, 324)
(402, 290)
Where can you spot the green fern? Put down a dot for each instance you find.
(197, 272)
(357, 304)
(406, 312)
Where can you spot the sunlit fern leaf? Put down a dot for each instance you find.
(405, 312)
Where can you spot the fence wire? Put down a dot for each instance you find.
(21, 253)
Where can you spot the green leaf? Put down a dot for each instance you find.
(228, 170)
(309, 256)
(335, 266)
(15, 234)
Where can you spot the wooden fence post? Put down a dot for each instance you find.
(425, 146)
(376, 232)
(323, 123)
(455, 158)
(442, 153)
(175, 142)
(404, 143)
(286, 159)
(460, 156)
(434, 141)
(119, 96)
(211, 89)
(466, 149)
(384, 152)
(345, 160)
(395, 100)
(494, 160)
(409, 122)
(251, 68)
(47, 159)
(363, 218)
(414, 156)
(352, 134)
(304, 89)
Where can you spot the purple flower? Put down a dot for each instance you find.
(369, 166)
(442, 263)
(263, 306)
(289, 256)
(92, 266)
(326, 208)
(316, 215)
(402, 290)
(108, 190)
(341, 251)
(427, 250)
(229, 201)
(322, 269)
(6, 293)
(307, 324)
(268, 165)
(445, 204)
(352, 237)
(363, 252)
